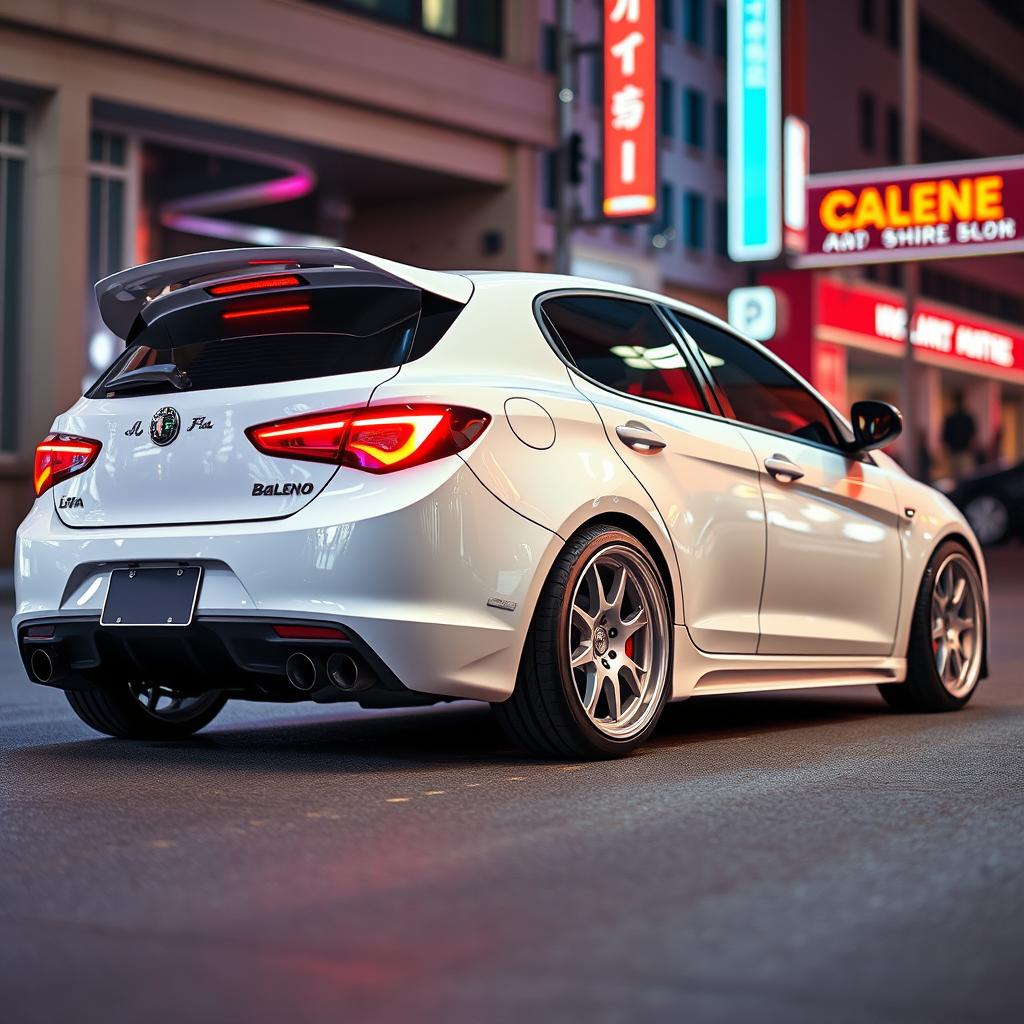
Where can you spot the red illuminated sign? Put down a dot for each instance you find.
(630, 108)
(932, 211)
(876, 319)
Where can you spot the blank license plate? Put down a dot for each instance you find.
(160, 596)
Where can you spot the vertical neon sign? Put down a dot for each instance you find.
(754, 100)
(630, 109)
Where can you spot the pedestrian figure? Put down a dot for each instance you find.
(958, 432)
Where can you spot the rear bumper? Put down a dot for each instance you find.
(407, 569)
(241, 657)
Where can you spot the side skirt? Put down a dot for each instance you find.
(696, 672)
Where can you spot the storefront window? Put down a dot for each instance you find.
(12, 185)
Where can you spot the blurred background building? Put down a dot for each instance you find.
(423, 130)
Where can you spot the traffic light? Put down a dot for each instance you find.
(576, 159)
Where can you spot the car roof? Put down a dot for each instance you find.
(541, 283)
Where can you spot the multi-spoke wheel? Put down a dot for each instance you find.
(595, 671)
(618, 643)
(145, 710)
(947, 639)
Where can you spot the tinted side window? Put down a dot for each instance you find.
(759, 391)
(625, 346)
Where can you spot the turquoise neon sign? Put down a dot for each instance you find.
(754, 99)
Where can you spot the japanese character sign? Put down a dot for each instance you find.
(630, 109)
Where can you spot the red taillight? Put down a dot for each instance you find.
(236, 314)
(377, 440)
(317, 438)
(255, 284)
(59, 456)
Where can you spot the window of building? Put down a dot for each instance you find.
(625, 346)
(597, 187)
(1011, 10)
(666, 108)
(693, 118)
(597, 79)
(668, 14)
(721, 129)
(759, 390)
(477, 24)
(721, 228)
(693, 21)
(666, 213)
(893, 135)
(693, 220)
(13, 153)
(971, 73)
(866, 121)
(549, 176)
(894, 23)
(937, 149)
(867, 16)
(721, 35)
(956, 291)
(549, 49)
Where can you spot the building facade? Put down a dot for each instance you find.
(842, 328)
(132, 130)
(683, 253)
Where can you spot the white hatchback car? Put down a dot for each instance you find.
(318, 475)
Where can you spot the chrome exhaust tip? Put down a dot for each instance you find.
(301, 671)
(42, 665)
(347, 674)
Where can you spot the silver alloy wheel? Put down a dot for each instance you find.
(989, 518)
(618, 641)
(167, 704)
(957, 624)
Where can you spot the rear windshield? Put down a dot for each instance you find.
(327, 332)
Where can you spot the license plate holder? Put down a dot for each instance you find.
(152, 596)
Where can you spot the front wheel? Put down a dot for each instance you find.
(595, 669)
(947, 636)
(145, 711)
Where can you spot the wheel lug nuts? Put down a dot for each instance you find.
(604, 661)
(611, 654)
(613, 633)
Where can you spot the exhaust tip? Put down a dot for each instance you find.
(42, 666)
(301, 671)
(347, 674)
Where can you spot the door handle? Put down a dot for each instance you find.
(640, 438)
(782, 469)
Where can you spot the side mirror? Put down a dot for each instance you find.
(875, 424)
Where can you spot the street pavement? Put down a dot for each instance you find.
(803, 857)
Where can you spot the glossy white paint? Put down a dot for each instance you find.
(409, 560)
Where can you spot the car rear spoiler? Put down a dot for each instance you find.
(123, 296)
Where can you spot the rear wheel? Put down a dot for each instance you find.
(947, 636)
(145, 711)
(594, 674)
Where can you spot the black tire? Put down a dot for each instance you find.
(924, 689)
(118, 713)
(545, 713)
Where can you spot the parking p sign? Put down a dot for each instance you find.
(753, 311)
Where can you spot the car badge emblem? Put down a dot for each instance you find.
(164, 426)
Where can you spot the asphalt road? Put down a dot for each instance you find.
(810, 857)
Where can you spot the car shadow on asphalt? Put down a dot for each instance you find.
(460, 734)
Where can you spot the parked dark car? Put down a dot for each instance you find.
(992, 499)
